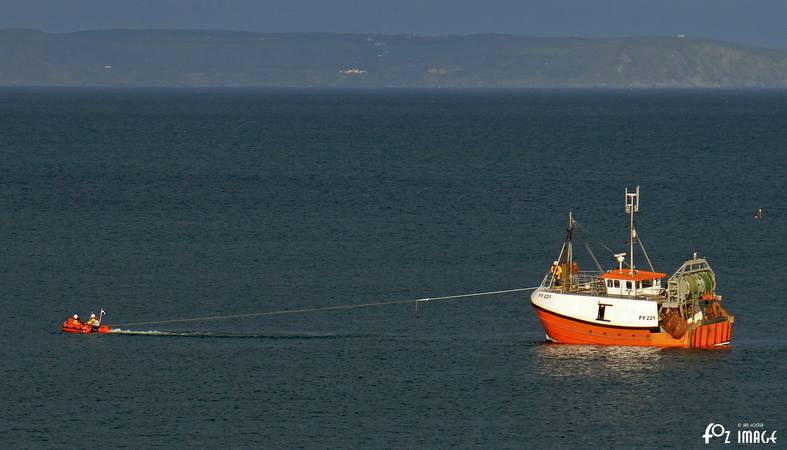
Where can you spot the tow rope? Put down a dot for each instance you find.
(415, 301)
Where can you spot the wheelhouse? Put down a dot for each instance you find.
(628, 283)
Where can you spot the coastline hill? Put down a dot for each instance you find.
(226, 58)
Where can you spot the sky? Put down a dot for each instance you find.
(758, 22)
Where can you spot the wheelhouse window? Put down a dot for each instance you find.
(628, 284)
(647, 283)
(617, 283)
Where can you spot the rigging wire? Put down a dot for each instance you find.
(325, 308)
(642, 246)
(592, 255)
(594, 235)
(639, 241)
(590, 233)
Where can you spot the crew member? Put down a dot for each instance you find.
(93, 322)
(75, 320)
(556, 272)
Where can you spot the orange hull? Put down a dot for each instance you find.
(571, 331)
(84, 328)
(712, 335)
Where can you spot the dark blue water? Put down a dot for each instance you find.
(159, 205)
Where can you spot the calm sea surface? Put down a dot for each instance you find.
(159, 205)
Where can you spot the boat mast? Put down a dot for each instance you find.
(632, 206)
(569, 252)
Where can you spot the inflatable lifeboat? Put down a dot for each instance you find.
(75, 326)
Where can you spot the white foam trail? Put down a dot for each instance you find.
(301, 335)
(152, 332)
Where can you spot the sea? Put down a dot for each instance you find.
(159, 205)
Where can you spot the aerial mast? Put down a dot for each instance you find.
(632, 206)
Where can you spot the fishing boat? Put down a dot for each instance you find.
(629, 306)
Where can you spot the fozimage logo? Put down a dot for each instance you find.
(747, 433)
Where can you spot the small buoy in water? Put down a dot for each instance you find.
(759, 213)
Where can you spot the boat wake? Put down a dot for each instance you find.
(223, 334)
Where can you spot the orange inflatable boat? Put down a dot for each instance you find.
(75, 326)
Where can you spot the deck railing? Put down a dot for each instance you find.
(587, 277)
(584, 281)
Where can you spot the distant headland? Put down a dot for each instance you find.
(184, 58)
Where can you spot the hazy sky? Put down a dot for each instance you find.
(762, 22)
